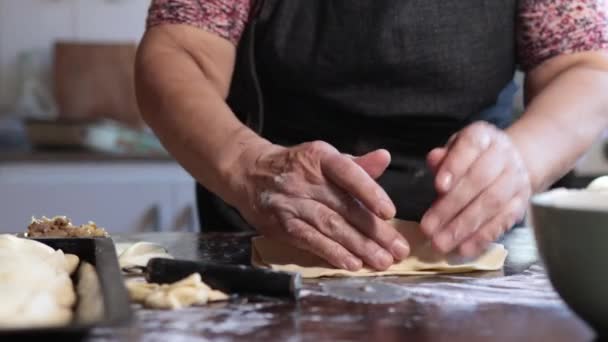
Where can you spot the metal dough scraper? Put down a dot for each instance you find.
(364, 291)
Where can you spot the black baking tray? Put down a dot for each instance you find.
(101, 253)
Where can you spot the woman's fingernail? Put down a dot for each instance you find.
(446, 181)
(484, 141)
(442, 241)
(353, 264)
(429, 224)
(400, 249)
(383, 258)
(387, 210)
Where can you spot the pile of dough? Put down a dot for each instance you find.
(35, 285)
(184, 293)
(90, 304)
(423, 259)
(599, 184)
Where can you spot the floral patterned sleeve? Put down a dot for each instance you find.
(547, 28)
(226, 18)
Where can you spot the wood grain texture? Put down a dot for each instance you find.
(96, 80)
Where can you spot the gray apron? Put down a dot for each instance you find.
(397, 74)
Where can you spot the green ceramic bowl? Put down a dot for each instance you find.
(571, 230)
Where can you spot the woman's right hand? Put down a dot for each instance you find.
(320, 200)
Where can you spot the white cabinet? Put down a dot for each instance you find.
(120, 196)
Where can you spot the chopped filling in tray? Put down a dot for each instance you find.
(60, 226)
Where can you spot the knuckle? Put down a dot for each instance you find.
(322, 215)
(369, 248)
(318, 147)
(481, 175)
(455, 201)
(461, 229)
(470, 136)
(482, 126)
(440, 209)
(332, 223)
(479, 134)
(470, 132)
(285, 214)
(292, 228)
(494, 198)
(454, 225)
(462, 224)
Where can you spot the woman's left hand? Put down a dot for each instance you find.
(483, 188)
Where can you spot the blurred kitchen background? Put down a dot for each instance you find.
(71, 139)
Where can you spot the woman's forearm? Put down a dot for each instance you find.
(562, 121)
(181, 96)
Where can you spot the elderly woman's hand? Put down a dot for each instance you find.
(483, 188)
(320, 200)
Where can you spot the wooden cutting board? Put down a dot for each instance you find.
(95, 80)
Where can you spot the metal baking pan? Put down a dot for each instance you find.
(101, 253)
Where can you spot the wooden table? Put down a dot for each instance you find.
(516, 304)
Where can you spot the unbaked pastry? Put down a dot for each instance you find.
(423, 259)
(90, 304)
(184, 293)
(35, 284)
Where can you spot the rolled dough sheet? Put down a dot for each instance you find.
(423, 259)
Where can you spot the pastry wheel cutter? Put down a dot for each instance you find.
(231, 279)
(364, 291)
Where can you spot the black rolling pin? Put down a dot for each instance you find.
(227, 278)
